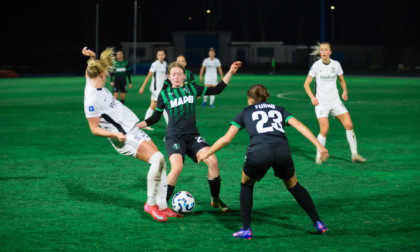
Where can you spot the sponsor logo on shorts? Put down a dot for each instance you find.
(176, 146)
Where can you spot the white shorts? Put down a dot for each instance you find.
(134, 138)
(211, 81)
(334, 109)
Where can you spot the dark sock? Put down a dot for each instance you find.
(215, 187)
(246, 199)
(304, 199)
(122, 101)
(169, 192)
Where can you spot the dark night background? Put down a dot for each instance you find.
(47, 36)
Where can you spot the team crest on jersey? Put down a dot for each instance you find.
(91, 109)
(186, 90)
(176, 146)
(332, 69)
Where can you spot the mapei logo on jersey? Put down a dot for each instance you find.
(91, 109)
(182, 100)
(120, 69)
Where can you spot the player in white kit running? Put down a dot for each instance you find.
(211, 65)
(327, 100)
(157, 71)
(108, 117)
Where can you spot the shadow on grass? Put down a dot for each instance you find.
(80, 193)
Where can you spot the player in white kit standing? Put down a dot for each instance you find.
(108, 117)
(211, 65)
(327, 100)
(157, 71)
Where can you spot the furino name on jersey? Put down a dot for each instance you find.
(265, 105)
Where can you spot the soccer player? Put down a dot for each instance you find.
(189, 77)
(158, 73)
(107, 117)
(211, 65)
(182, 136)
(119, 77)
(269, 147)
(327, 100)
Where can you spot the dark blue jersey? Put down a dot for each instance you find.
(265, 124)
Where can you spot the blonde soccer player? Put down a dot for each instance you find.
(212, 65)
(157, 72)
(108, 117)
(327, 100)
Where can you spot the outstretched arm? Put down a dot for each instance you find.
(89, 53)
(308, 134)
(219, 144)
(98, 131)
(222, 84)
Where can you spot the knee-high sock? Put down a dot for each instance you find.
(246, 199)
(351, 138)
(165, 115)
(169, 192)
(162, 191)
(205, 98)
(157, 163)
(304, 199)
(215, 186)
(212, 97)
(149, 113)
(322, 140)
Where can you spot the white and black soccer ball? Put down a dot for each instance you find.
(183, 202)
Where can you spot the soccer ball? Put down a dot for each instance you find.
(183, 202)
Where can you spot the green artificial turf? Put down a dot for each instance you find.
(63, 188)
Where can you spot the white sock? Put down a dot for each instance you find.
(162, 191)
(205, 98)
(351, 138)
(322, 140)
(157, 163)
(212, 97)
(165, 114)
(149, 113)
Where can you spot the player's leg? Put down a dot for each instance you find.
(177, 163)
(324, 126)
(345, 119)
(148, 152)
(206, 96)
(123, 92)
(213, 177)
(246, 200)
(305, 201)
(150, 110)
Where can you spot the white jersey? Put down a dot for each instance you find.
(114, 116)
(159, 74)
(326, 80)
(211, 68)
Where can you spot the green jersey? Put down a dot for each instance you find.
(179, 103)
(121, 72)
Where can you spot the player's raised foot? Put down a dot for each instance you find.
(148, 128)
(211, 106)
(155, 212)
(203, 105)
(318, 160)
(320, 227)
(218, 203)
(243, 234)
(356, 158)
(169, 213)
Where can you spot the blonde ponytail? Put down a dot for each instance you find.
(104, 64)
(316, 52)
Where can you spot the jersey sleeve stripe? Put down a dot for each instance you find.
(158, 109)
(235, 124)
(287, 119)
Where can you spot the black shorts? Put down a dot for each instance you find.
(258, 162)
(185, 144)
(120, 87)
